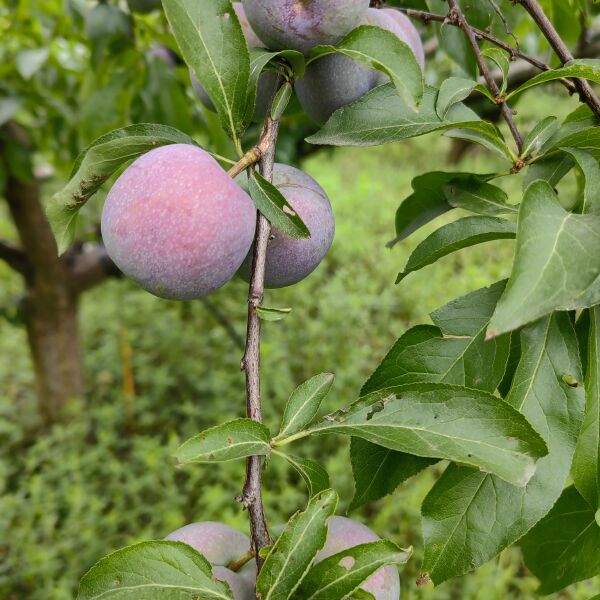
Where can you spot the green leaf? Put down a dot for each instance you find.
(96, 164)
(426, 203)
(384, 51)
(158, 570)
(230, 441)
(382, 117)
(538, 136)
(586, 463)
(212, 43)
(583, 68)
(563, 548)
(550, 169)
(591, 173)
(314, 475)
(281, 100)
(272, 314)
(379, 471)
(468, 516)
(478, 197)
(259, 59)
(430, 200)
(304, 403)
(290, 558)
(492, 140)
(449, 238)
(452, 91)
(556, 263)
(502, 60)
(454, 352)
(272, 204)
(438, 421)
(340, 575)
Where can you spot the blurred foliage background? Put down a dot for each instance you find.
(157, 372)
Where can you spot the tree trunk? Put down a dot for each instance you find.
(51, 320)
(50, 304)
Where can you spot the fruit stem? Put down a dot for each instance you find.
(252, 492)
(236, 565)
(250, 158)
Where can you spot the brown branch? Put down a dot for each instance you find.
(586, 93)
(456, 14)
(14, 257)
(427, 17)
(252, 492)
(88, 265)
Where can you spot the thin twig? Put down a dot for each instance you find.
(586, 93)
(456, 13)
(252, 492)
(427, 17)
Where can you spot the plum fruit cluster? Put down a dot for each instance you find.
(333, 80)
(178, 225)
(227, 549)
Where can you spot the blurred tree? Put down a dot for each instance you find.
(69, 72)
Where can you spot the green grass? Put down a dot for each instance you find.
(106, 477)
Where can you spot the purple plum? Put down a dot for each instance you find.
(221, 545)
(303, 24)
(334, 80)
(177, 224)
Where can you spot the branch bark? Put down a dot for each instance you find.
(252, 491)
(586, 93)
(427, 17)
(457, 14)
(14, 257)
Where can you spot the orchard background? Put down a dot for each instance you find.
(87, 435)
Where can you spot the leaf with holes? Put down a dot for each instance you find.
(338, 576)
(437, 420)
(273, 205)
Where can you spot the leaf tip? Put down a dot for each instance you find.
(423, 580)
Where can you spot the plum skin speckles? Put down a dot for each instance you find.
(177, 224)
(290, 260)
